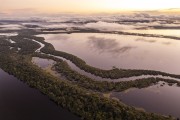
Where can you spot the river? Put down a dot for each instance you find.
(20, 102)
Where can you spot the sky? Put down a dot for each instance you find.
(86, 6)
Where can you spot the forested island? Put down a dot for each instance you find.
(79, 94)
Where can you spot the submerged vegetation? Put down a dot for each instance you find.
(80, 95)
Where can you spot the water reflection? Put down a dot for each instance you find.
(104, 45)
(144, 40)
(170, 32)
(48, 63)
(123, 51)
(43, 63)
(161, 98)
(166, 43)
(57, 37)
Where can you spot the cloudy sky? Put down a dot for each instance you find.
(86, 6)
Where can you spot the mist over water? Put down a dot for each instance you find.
(100, 50)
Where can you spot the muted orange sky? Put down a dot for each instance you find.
(86, 6)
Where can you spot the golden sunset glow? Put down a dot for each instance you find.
(87, 6)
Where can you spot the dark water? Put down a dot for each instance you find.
(157, 99)
(20, 102)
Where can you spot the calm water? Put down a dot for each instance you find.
(106, 50)
(123, 51)
(157, 98)
(166, 98)
(20, 102)
(169, 32)
(43, 63)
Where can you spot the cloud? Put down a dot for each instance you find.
(102, 22)
(148, 24)
(11, 27)
(109, 26)
(58, 26)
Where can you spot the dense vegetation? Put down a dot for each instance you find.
(85, 103)
(101, 86)
(114, 73)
